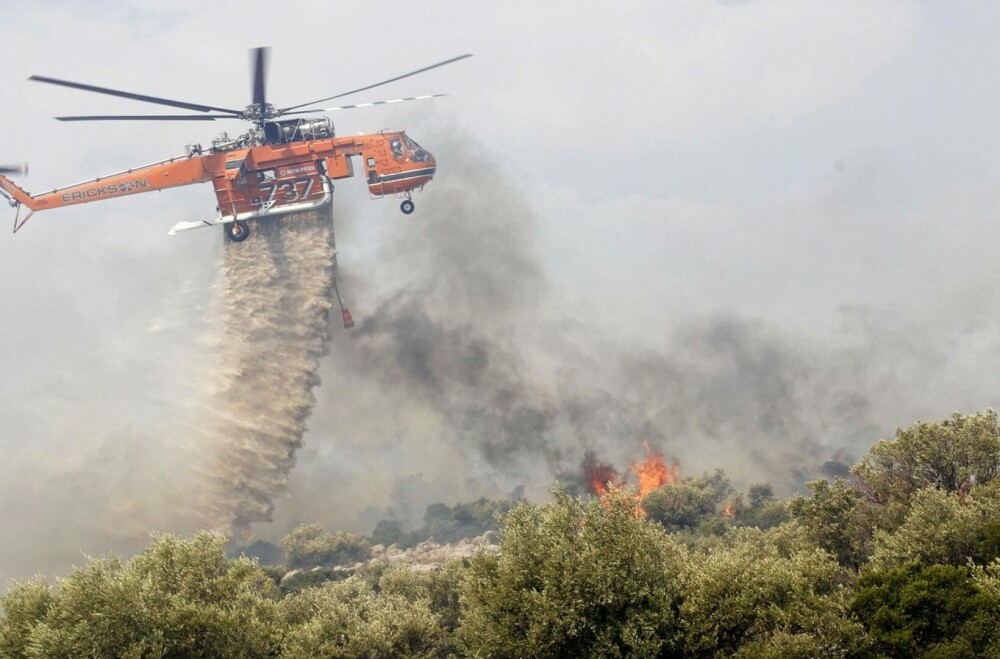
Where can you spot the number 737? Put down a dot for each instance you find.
(289, 189)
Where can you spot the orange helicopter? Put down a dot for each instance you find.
(280, 166)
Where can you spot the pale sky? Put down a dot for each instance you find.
(822, 171)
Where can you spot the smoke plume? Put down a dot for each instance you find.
(465, 376)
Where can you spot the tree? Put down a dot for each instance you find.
(916, 610)
(770, 593)
(463, 520)
(951, 455)
(176, 598)
(686, 504)
(441, 587)
(350, 620)
(307, 546)
(837, 519)
(762, 510)
(390, 532)
(24, 606)
(944, 527)
(574, 579)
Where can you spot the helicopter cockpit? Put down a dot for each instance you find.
(406, 150)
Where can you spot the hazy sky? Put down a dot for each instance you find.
(824, 172)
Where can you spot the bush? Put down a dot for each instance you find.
(951, 455)
(440, 587)
(766, 591)
(574, 579)
(176, 598)
(24, 607)
(686, 504)
(307, 547)
(349, 619)
(944, 527)
(927, 610)
(836, 519)
(313, 578)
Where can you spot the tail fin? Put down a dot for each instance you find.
(15, 194)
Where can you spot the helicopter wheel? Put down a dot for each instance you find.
(237, 231)
(407, 206)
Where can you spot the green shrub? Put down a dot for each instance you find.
(951, 455)
(766, 591)
(686, 504)
(307, 547)
(349, 620)
(837, 519)
(574, 579)
(916, 610)
(177, 598)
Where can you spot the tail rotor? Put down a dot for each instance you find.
(20, 170)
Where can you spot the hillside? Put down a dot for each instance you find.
(898, 558)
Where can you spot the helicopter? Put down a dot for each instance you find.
(285, 163)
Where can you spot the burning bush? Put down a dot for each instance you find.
(686, 504)
(652, 472)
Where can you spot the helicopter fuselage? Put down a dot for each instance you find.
(264, 179)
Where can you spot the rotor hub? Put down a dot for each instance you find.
(260, 112)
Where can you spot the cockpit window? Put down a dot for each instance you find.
(397, 148)
(417, 154)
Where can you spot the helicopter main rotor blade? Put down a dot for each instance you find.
(135, 97)
(378, 84)
(14, 169)
(367, 105)
(147, 117)
(259, 73)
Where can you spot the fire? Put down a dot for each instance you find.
(651, 473)
(600, 475)
(728, 507)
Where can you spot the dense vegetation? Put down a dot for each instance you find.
(899, 558)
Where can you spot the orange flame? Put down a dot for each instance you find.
(600, 475)
(728, 507)
(652, 473)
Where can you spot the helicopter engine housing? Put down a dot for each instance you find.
(298, 130)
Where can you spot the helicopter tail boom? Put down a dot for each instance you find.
(15, 195)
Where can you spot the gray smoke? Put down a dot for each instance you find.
(464, 377)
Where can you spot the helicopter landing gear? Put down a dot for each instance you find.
(237, 231)
(407, 206)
